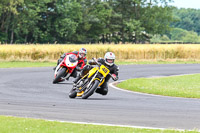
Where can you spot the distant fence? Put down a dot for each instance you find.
(175, 43)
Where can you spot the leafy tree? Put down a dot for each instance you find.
(81, 21)
(191, 37)
(59, 21)
(188, 19)
(28, 19)
(8, 9)
(95, 16)
(178, 34)
(158, 38)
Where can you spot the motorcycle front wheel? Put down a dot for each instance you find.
(72, 93)
(61, 73)
(89, 91)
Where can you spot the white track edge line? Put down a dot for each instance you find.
(129, 126)
(101, 124)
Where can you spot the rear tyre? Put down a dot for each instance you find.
(60, 74)
(91, 89)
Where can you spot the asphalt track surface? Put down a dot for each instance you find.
(29, 92)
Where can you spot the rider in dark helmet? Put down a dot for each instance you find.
(108, 61)
(82, 61)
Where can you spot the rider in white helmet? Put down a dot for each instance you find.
(108, 61)
(109, 58)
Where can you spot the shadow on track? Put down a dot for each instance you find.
(94, 99)
(65, 83)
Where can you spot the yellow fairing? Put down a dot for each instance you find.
(92, 71)
(104, 71)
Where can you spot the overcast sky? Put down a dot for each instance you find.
(187, 4)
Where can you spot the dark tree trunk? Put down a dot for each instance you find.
(12, 37)
(103, 39)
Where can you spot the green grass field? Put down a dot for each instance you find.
(127, 62)
(27, 125)
(187, 86)
(13, 64)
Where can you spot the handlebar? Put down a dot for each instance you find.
(111, 76)
(100, 65)
(96, 62)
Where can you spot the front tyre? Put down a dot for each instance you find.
(60, 74)
(72, 93)
(91, 89)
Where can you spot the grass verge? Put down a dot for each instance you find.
(128, 62)
(12, 64)
(27, 125)
(187, 86)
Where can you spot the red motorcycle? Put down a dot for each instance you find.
(65, 68)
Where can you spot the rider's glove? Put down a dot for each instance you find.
(114, 77)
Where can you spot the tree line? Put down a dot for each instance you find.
(185, 27)
(83, 21)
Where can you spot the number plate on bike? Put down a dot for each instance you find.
(104, 71)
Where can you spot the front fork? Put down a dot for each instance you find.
(80, 88)
(92, 78)
(59, 67)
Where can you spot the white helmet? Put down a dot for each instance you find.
(109, 58)
(82, 53)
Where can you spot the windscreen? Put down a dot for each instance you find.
(73, 58)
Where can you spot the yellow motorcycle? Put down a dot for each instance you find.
(88, 84)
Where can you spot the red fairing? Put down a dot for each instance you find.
(79, 60)
(63, 62)
(70, 69)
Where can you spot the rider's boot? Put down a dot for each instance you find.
(103, 90)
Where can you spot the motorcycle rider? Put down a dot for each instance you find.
(108, 61)
(82, 61)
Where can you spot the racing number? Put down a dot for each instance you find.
(105, 70)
